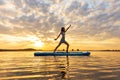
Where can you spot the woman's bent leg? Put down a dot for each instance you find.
(67, 47)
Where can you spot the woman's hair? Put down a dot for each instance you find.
(62, 29)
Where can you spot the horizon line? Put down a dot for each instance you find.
(32, 49)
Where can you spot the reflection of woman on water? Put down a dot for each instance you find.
(63, 30)
(63, 68)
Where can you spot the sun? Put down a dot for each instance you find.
(38, 44)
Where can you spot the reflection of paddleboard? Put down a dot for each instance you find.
(62, 54)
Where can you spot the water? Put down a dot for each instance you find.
(24, 66)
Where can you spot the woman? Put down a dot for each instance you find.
(63, 31)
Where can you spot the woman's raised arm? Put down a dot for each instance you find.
(67, 28)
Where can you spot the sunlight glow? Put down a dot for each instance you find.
(38, 44)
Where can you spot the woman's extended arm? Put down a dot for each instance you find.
(58, 36)
(67, 28)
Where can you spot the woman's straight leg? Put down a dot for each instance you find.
(57, 47)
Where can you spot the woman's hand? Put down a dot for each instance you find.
(55, 39)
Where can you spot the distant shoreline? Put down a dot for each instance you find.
(31, 49)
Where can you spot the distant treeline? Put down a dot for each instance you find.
(31, 49)
(27, 49)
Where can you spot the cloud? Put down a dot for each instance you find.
(1, 2)
(95, 21)
(100, 22)
(78, 8)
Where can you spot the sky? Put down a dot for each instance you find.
(95, 24)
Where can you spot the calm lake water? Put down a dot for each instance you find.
(24, 66)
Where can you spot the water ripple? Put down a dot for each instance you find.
(99, 66)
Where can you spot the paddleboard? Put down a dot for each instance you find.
(62, 54)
